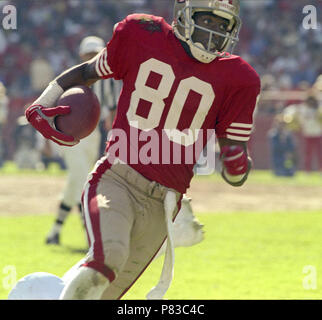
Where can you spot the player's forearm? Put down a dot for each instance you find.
(75, 76)
(81, 74)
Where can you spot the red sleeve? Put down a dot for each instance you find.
(235, 118)
(113, 60)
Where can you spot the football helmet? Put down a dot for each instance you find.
(37, 286)
(184, 27)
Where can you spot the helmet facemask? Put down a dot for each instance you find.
(219, 43)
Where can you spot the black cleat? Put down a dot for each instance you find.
(53, 239)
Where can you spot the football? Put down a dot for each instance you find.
(84, 115)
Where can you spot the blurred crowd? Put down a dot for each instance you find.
(273, 40)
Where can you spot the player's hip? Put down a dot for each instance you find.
(129, 177)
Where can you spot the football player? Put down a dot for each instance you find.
(179, 81)
(81, 158)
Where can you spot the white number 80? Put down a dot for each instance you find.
(157, 96)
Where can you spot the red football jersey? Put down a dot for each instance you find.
(170, 102)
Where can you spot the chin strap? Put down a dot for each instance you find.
(158, 292)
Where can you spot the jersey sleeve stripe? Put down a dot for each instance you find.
(97, 67)
(237, 138)
(104, 67)
(238, 131)
(105, 64)
(101, 66)
(241, 125)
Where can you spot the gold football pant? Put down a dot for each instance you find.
(125, 223)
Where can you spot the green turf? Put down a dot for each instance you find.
(266, 177)
(23, 250)
(243, 256)
(256, 176)
(10, 168)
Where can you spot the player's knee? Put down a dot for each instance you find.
(113, 260)
(116, 255)
(86, 284)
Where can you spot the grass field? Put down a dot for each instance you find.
(246, 254)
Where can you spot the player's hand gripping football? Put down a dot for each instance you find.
(235, 160)
(42, 119)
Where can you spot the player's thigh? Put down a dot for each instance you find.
(148, 234)
(109, 217)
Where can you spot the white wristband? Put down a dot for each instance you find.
(51, 94)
